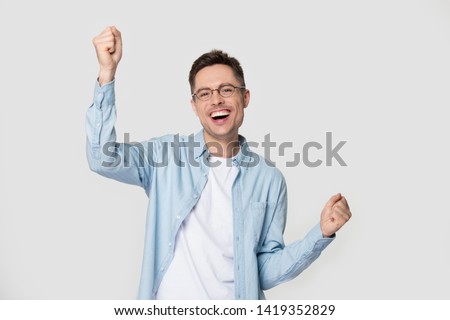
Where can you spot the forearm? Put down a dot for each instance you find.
(114, 160)
(288, 262)
(100, 120)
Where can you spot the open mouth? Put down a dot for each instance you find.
(220, 115)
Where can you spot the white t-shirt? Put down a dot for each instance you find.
(203, 262)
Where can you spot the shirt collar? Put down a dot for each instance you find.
(200, 149)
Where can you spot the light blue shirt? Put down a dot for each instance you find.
(173, 171)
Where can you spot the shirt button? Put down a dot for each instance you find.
(98, 124)
(195, 196)
(100, 95)
(178, 217)
(170, 244)
(162, 269)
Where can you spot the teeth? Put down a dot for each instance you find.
(220, 113)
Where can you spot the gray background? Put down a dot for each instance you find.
(375, 73)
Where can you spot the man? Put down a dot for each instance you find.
(216, 211)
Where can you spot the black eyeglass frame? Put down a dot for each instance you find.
(218, 91)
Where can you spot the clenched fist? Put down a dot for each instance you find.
(334, 215)
(108, 46)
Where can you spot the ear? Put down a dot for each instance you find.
(246, 98)
(194, 106)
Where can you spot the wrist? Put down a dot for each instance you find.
(326, 234)
(105, 76)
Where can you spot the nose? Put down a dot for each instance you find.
(216, 98)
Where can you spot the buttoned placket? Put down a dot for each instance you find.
(179, 221)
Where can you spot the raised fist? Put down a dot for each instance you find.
(334, 215)
(108, 46)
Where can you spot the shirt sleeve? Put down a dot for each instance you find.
(279, 263)
(124, 162)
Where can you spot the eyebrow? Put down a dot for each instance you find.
(221, 85)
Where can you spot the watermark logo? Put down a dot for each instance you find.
(181, 153)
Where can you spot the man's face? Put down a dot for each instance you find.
(220, 117)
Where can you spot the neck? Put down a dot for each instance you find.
(226, 148)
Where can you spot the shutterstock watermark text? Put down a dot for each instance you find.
(313, 153)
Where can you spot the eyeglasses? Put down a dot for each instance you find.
(225, 90)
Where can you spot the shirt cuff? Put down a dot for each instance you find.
(320, 243)
(104, 96)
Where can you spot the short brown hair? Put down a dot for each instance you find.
(216, 57)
